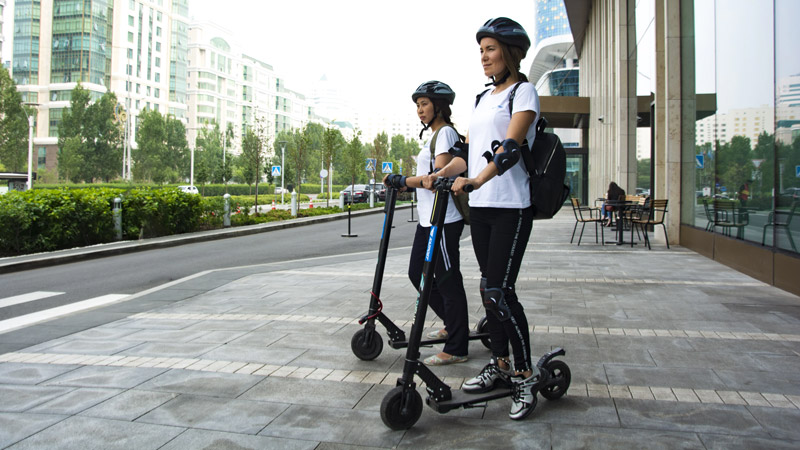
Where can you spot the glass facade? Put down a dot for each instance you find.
(746, 173)
(564, 82)
(179, 51)
(81, 41)
(551, 19)
(25, 68)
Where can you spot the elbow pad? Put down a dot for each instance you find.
(460, 150)
(490, 154)
(508, 158)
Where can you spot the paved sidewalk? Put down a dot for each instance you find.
(668, 349)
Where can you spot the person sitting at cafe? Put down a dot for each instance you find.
(607, 211)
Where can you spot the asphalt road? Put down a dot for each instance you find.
(135, 272)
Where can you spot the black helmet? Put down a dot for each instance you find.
(434, 89)
(506, 31)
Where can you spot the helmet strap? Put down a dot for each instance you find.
(428, 125)
(496, 82)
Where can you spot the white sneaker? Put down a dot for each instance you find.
(437, 334)
(523, 398)
(487, 379)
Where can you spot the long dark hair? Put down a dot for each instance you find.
(512, 57)
(443, 108)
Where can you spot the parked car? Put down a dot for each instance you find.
(792, 193)
(279, 190)
(358, 193)
(380, 191)
(189, 189)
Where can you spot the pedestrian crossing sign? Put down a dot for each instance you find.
(276, 171)
(387, 167)
(370, 164)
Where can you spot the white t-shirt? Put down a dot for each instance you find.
(444, 141)
(489, 122)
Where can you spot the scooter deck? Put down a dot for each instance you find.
(461, 399)
(473, 335)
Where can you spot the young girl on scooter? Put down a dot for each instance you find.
(501, 215)
(448, 299)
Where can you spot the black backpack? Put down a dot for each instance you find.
(546, 164)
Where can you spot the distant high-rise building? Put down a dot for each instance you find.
(554, 69)
(2, 6)
(58, 43)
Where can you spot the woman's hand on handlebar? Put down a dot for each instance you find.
(429, 180)
(461, 183)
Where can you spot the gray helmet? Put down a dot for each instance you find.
(506, 31)
(434, 90)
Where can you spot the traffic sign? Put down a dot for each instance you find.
(387, 167)
(276, 171)
(699, 161)
(797, 171)
(371, 164)
(323, 173)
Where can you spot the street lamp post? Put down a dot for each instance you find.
(30, 144)
(283, 167)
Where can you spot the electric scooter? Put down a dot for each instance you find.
(366, 343)
(402, 406)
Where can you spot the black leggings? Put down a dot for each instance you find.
(499, 237)
(448, 299)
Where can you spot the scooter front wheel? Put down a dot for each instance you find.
(401, 408)
(364, 348)
(560, 378)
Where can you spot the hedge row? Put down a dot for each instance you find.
(45, 220)
(207, 190)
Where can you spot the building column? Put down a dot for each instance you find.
(669, 114)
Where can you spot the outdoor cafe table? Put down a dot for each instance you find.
(619, 207)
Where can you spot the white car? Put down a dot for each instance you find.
(280, 190)
(189, 189)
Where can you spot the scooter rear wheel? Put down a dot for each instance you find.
(397, 414)
(560, 377)
(364, 350)
(483, 327)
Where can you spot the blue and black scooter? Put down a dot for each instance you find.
(402, 406)
(366, 343)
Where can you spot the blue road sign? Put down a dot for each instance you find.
(370, 164)
(797, 171)
(276, 171)
(699, 161)
(387, 167)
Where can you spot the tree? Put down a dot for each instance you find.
(162, 148)
(208, 153)
(332, 143)
(734, 163)
(253, 156)
(404, 150)
(353, 157)
(13, 125)
(70, 158)
(100, 137)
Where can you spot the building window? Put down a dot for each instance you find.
(42, 157)
(158, 61)
(130, 20)
(158, 77)
(158, 31)
(158, 93)
(158, 46)
(130, 36)
(130, 53)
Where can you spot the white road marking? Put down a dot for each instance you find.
(52, 313)
(24, 298)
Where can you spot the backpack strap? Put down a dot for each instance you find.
(433, 142)
(510, 96)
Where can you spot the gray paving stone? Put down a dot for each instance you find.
(335, 425)
(344, 357)
(213, 413)
(20, 398)
(307, 392)
(15, 427)
(581, 437)
(129, 405)
(172, 336)
(576, 410)
(92, 347)
(219, 337)
(75, 401)
(690, 378)
(228, 385)
(21, 373)
(776, 382)
(101, 333)
(248, 353)
(780, 423)
(106, 376)
(170, 349)
(688, 417)
(710, 360)
(263, 337)
(446, 432)
(718, 442)
(85, 433)
(217, 440)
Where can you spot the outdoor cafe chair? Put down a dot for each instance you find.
(709, 215)
(727, 216)
(654, 215)
(583, 215)
(775, 221)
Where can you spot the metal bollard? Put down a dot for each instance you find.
(341, 202)
(226, 218)
(294, 203)
(117, 213)
(372, 198)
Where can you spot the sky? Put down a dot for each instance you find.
(378, 52)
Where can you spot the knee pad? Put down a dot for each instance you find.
(495, 301)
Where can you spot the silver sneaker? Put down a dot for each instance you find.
(487, 379)
(523, 397)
